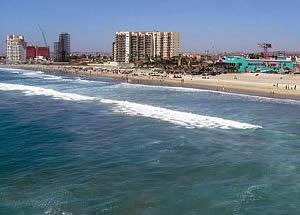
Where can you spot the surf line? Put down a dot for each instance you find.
(184, 119)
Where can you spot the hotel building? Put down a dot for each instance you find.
(15, 49)
(135, 46)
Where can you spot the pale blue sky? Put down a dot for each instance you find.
(230, 25)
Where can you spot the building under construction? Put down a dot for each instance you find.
(62, 48)
(36, 51)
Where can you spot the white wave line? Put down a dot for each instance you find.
(188, 120)
(42, 75)
(38, 91)
(8, 69)
(186, 89)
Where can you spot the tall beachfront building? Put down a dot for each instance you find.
(62, 48)
(15, 49)
(166, 44)
(135, 46)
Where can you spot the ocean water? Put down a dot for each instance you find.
(73, 145)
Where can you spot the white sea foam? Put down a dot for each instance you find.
(38, 91)
(11, 69)
(42, 75)
(188, 120)
(32, 73)
(178, 89)
(14, 71)
(29, 73)
(185, 89)
(87, 81)
(36, 74)
(51, 77)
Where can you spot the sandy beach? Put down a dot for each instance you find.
(269, 85)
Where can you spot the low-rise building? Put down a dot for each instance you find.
(194, 56)
(243, 64)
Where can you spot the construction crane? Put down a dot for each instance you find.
(42, 32)
(266, 47)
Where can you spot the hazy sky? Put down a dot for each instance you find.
(217, 25)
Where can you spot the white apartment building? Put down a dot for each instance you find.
(15, 49)
(135, 46)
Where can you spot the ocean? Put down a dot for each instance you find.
(77, 145)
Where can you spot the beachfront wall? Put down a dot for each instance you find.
(243, 65)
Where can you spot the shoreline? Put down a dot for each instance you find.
(223, 83)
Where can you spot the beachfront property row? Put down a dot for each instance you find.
(137, 46)
(17, 50)
(242, 64)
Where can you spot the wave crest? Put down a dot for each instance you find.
(188, 120)
(38, 91)
(185, 119)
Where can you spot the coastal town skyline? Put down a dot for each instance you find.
(214, 26)
(149, 107)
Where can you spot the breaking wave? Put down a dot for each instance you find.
(186, 89)
(87, 81)
(185, 119)
(38, 91)
(42, 75)
(188, 120)
(179, 89)
(11, 69)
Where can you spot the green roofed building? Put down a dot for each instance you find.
(243, 64)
